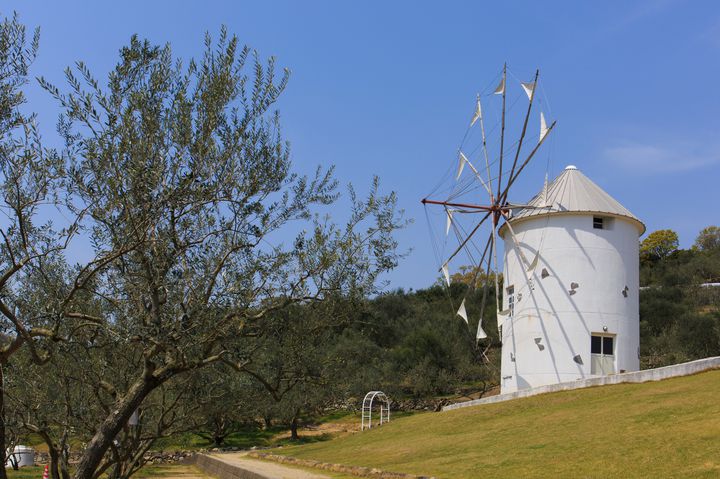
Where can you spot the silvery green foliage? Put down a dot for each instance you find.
(30, 181)
(183, 185)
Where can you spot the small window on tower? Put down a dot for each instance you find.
(607, 345)
(511, 299)
(598, 222)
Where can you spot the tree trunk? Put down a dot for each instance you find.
(111, 426)
(54, 462)
(219, 435)
(3, 457)
(53, 452)
(294, 428)
(64, 456)
(65, 468)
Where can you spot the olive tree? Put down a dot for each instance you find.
(30, 182)
(198, 226)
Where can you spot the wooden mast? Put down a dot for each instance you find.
(524, 129)
(502, 132)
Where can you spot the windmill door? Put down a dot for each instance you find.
(602, 354)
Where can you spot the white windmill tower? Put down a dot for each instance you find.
(571, 284)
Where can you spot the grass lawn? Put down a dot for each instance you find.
(660, 429)
(28, 472)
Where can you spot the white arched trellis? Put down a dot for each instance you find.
(371, 398)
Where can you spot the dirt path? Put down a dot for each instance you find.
(266, 469)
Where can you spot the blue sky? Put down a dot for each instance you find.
(387, 88)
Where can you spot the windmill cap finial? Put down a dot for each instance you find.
(571, 167)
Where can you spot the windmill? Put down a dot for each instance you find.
(570, 257)
(504, 162)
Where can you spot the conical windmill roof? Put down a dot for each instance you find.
(572, 192)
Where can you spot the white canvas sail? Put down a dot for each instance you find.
(446, 273)
(449, 221)
(543, 126)
(500, 88)
(462, 159)
(481, 334)
(529, 89)
(462, 312)
(478, 112)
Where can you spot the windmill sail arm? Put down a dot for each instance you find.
(477, 175)
(523, 206)
(502, 131)
(480, 334)
(531, 96)
(457, 205)
(516, 244)
(497, 282)
(482, 260)
(465, 241)
(512, 180)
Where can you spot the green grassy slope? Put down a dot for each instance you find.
(661, 429)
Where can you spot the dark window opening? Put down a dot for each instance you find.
(597, 222)
(511, 298)
(602, 345)
(607, 345)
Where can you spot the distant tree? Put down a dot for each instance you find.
(708, 239)
(472, 276)
(228, 402)
(659, 244)
(299, 365)
(41, 407)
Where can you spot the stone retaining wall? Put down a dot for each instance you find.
(217, 468)
(657, 374)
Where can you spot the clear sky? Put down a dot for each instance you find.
(386, 88)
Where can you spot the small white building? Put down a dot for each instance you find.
(571, 285)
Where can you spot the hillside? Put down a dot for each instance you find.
(669, 428)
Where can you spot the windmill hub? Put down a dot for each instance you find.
(495, 177)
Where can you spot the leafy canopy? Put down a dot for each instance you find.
(659, 244)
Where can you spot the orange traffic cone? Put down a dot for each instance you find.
(46, 473)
